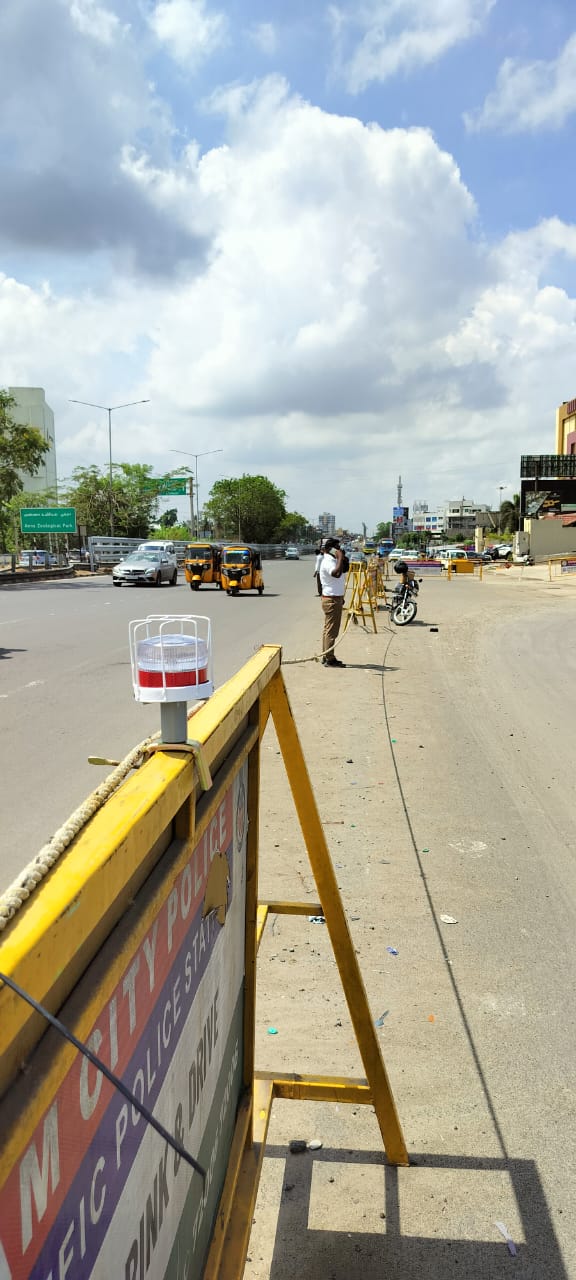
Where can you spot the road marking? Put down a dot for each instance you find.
(32, 684)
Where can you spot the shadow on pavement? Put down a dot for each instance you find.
(7, 653)
(426, 1229)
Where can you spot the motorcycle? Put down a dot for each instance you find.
(404, 605)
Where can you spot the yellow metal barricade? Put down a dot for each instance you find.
(143, 939)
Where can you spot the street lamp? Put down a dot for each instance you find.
(500, 489)
(110, 409)
(196, 456)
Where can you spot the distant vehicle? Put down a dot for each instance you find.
(448, 555)
(370, 547)
(400, 553)
(157, 544)
(480, 557)
(502, 552)
(40, 559)
(291, 553)
(202, 564)
(147, 568)
(385, 546)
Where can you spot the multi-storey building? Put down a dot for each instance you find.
(31, 410)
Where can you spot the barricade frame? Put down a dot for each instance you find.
(56, 934)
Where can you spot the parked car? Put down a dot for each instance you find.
(449, 554)
(150, 568)
(40, 559)
(400, 553)
(480, 557)
(502, 552)
(291, 553)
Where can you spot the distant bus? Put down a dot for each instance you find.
(385, 546)
(370, 548)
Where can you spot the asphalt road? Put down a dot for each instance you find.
(66, 689)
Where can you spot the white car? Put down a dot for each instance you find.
(449, 554)
(149, 568)
(291, 553)
(398, 553)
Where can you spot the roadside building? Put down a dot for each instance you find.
(457, 516)
(566, 427)
(31, 410)
(327, 524)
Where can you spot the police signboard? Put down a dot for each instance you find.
(48, 520)
(92, 1190)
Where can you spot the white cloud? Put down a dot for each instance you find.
(92, 19)
(63, 189)
(263, 35)
(190, 31)
(377, 39)
(348, 325)
(530, 95)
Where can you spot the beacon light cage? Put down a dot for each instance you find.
(171, 658)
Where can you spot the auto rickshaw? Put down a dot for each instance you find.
(241, 569)
(202, 564)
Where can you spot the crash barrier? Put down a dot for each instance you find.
(109, 551)
(426, 568)
(143, 941)
(360, 595)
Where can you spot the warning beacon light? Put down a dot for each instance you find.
(171, 658)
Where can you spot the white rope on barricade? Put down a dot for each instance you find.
(21, 888)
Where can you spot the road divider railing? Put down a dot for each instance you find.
(133, 1120)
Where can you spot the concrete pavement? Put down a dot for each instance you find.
(442, 766)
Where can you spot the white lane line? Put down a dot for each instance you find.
(32, 684)
(11, 622)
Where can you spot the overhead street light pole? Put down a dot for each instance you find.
(110, 409)
(196, 456)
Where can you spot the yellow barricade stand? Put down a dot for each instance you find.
(360, 604)
(143, 940)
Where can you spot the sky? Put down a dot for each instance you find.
(330, 243)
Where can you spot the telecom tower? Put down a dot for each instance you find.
(399, 499)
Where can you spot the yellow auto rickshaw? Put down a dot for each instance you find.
(241, 569)
(202, 564)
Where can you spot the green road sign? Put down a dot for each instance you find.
(165, 485)
(48, 520)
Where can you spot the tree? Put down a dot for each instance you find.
(135, 506)
(21, 449)
(179, 532)
(382, 530)
(169, 518)
(292, 527)
(250, 508)
(510, 515)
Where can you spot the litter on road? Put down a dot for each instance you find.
(392, 951)
(316, 920)
(272, 1031)
(448, 920)
(508, 1238)
(380, 1021)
